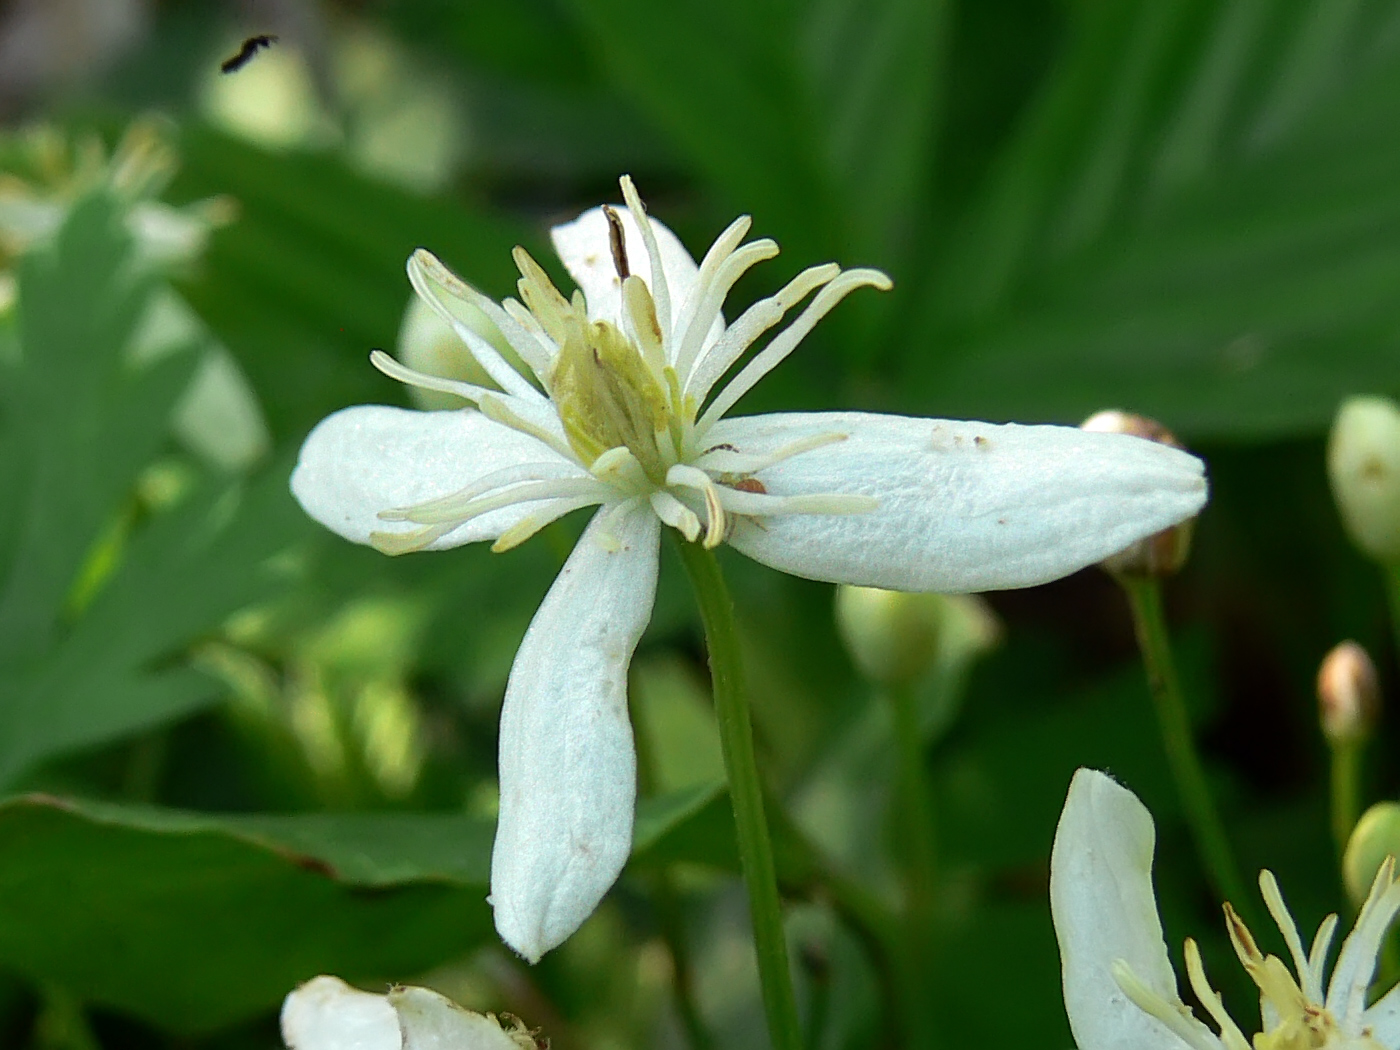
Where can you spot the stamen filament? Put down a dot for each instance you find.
(728, 274)
(447, 510)
(726, 461)
(660, 293)
(496, 479)
(412, 377)
(523, 529)
(773, 354)
(498, 411)
(751, 324)
(720, 250)
(1173, 1015)
(530, 349)
(1230, 1033)
(683, 476)
(1273, 900)
(676, 514)
(396, 543)
(486, 355)
(763, 505)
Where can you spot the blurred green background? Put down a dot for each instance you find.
(238, 751)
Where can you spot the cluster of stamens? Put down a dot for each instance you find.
(621, 402)
(1298, 1014)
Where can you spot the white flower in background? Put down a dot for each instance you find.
(621, 412)
(1120, 992)
(325, 1013)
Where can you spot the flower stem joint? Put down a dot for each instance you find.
(619, 401)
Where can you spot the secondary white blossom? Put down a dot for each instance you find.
(1120, 991)
(325, 1013)
(618, 402)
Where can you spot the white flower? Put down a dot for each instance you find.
(1120, 992)
(325, 1013)
(618, 411)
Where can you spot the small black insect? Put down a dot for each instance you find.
(250, 47)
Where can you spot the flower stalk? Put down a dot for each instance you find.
(745, 794)
(1149, 623)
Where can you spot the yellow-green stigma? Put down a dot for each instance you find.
(607, 397)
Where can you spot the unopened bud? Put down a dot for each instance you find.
(1363, 465)
(1348, 694)
(1375, 837)
(896, 637)
(1163, 553)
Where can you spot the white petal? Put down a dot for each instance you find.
(325, 1013)
(1383, 1018)
(964, 506)
(434, 1022)
(372, 458)
(584, 249)
(568, 769)
(1104, 909)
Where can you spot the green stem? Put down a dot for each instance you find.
(745, 794)
(1149, 621)
(1346, 792)
(915, 823)
(1392, 595)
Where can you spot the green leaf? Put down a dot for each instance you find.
(1197, 220)
(195, 920)
(95, 604)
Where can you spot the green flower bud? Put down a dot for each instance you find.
(1163, 553)
(1375, 837)
(895, 637)
(1348, 694)
(1363, 465)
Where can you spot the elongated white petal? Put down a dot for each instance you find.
(1383, 1018)
(584, 250)
(1104, 910)
(567, 766)
(372, 458)
(962, 506)
(430, 1021)
(325, 1013)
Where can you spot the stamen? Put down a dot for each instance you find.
(530, 349)
(659, 291)
(1173, 1015)
(641, 311)
(621, 469)
(523, 529)
(720, 460)
(720, 250)
(1273, 900)
(607, 537)
(450, 509)
(412, 377)
(751, 324)
(676, 514)
(1317, 957)
(728, 274)
(496, 366)
(396, 543)
(617, 241)
(498, 411)
(545, 301)
(496, 479)
(764, 505)
(773, 354)
(1230, 1033)
(683, 476)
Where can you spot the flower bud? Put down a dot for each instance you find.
(895, 637)
(1348, 694)
(1363, 465)
(1375, 837)
(1163, 553)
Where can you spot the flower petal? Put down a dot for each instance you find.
(430, 1021)
(372, 458)
(325, 1013)
(964, 506)
(1104, 910)
(1383, 1018)
(584, 249)
(568, 769)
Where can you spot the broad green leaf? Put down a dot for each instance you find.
(1197, 220)
(95, 603)
(195, 920)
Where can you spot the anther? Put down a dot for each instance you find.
(617, 240)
